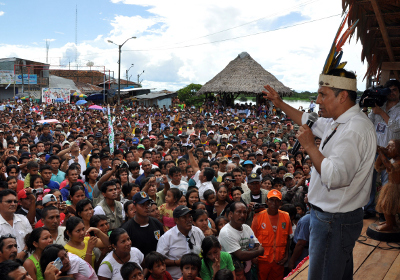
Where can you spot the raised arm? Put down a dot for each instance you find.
(274, 97)
(192, 160)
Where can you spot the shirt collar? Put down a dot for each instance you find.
(346, 116)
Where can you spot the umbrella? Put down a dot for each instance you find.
(81, 102)
(75, 93)
(25, 98)
(96, 107)
(59, 100)
(82, 96)
(48, 121)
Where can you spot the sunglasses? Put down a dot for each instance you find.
(5, 236)
(11, 201)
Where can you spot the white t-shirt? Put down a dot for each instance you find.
(98, 210)
(104, 270)
(80, 268)
(232, 239)
(183, 186)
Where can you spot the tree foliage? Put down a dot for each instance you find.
(188, 95)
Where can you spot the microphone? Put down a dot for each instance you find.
(312, 118)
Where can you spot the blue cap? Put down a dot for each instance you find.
(140, 198)
(135, 140)
(248, 162)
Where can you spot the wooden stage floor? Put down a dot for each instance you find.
(370, 263)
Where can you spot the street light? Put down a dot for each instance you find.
(127, 79)
(119, 65)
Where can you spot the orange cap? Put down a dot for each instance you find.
(274, 193)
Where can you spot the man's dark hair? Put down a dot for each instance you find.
(105, 186)
(173, 170)
(127, 188)
(93, 157)
(345, 74)
(4, 237)
(232, 207)
(393, 83)
(46, 209)
(4, 193)
(202, 161)
(209, 173)
(7, 267)
(44, 167)
(191, 259)
(277, 181)
(32, 164)
(153, 258)
(128, 268)
(207, 193)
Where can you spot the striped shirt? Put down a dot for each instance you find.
(386, 131)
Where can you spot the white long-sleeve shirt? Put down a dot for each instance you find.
(346, 172)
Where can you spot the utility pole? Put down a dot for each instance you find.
(127, 77)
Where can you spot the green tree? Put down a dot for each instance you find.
(188, 95)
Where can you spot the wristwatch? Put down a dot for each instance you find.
(25, 251)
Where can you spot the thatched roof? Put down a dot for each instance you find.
(378, 30)
(245, 76)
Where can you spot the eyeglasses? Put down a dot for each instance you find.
(10, 201)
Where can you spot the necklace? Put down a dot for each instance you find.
(120, 258)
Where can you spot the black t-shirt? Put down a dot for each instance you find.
(256, 198)
(144, 238)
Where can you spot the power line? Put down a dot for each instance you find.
(247, 23)
(235, 38)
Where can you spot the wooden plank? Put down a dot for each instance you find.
(377, 264)
(390, 66)
(394, 271)
(362, 251)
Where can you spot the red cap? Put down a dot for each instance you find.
(274, 193)
(22, 194)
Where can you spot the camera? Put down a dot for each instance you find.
(260, 205)
(374, 95)
(38, 191)
(123, 165)
(159, 180)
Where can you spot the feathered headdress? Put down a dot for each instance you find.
(333, 60)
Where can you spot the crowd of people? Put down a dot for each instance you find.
(181, 193)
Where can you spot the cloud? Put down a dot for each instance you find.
(1, 13)
(58, 32)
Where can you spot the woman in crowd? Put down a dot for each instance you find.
(80, 244)
(91, 175)
(201, 220)
(129, 209)
(222, 201)
(121, 254)
(192, 196)
(36, 241)
(76, 194)
(84, 210)
(236, 193)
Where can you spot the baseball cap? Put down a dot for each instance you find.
(222, 159)
(140, 146)
(259, 152)
(243, 142)
(234, 140)
(41, 154)
(248, 162)
(274, 193)
(103, 156)
(48, 198)
(266, 164)
(224, 136)
(253, 177)
(135, 140)
(235, 156)
(140, 198)
(98, 135)
(152, 137)
(22, 194)
(285, 158)
(287, 175)
(65, 142)
(182, 210)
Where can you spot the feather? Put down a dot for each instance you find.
(335, 53)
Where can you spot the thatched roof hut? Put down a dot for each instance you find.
(243, 75)
(379, 33)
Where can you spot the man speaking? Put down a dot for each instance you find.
(342, 172)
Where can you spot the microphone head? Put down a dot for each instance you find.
(313, 117)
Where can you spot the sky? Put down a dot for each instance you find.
(179, 42)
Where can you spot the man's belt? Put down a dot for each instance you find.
(316, 208)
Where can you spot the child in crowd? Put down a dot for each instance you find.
(220, 222)
(33, 169)
(190, 267)
(214, 259)
(131, 271)
(210, 198)
(171, 202)
(155, 263)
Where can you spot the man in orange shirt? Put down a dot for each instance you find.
(272, 228)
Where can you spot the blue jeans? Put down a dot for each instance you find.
(370, 207)
(332, 239)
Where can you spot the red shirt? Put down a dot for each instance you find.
(167, 276)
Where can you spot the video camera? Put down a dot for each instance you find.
(374, 95)
(260, 205)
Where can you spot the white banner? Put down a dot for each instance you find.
(49, 95)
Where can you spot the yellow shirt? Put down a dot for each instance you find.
(81, 252)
